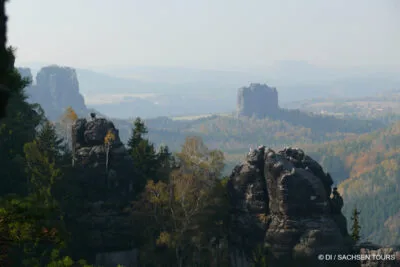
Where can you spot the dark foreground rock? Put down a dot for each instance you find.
(283, 202)
(249, 201)
(104, 169)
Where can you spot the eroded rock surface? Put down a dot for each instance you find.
(284, 201)
(90, 149)
(249, 201)
(55, 88)
(107, 183)
(301, 222)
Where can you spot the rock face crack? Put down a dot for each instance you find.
(282, 201)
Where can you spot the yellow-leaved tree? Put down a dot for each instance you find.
(67, 119)
(108, 141)
(186, 213)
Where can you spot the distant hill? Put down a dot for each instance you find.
(235, 136)
(384, 106)
(296, 80)
(114, 91)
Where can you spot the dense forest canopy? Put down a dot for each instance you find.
(71, 193)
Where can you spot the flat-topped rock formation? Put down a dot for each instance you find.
(258, 100)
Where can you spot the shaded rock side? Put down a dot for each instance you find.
(257, 100)
(249, 202)
(90, 149)
(107, 182)
(302, 213)
(281, 202)
(301, 222)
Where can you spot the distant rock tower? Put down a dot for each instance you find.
(257, 100)
(55, 89)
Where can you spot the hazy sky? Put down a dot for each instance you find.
(212, 34)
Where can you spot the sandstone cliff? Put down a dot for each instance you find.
(104, 171)
(55, 89)
(283, 202)
(257, 100)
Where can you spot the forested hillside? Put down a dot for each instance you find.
(365, 165)
(176, 204)
(55, 210)
(236, 135)
(367, 169)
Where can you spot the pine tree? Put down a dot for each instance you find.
(18, 128)
(41, 169)
(138, 132)
(49, 143)
(355, 228)
(143, 154)
(33, 224)
(165, 163)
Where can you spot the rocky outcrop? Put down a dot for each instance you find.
(257, 100)
(301, 225)
(249, 202)
(55, 89)
(92, 153)
(283, 201)
(104, 169)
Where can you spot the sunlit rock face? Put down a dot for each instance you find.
(301, 223)
(281, 203)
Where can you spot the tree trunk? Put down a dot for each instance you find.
(107, 152)
(179, 258)
(4, 60)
